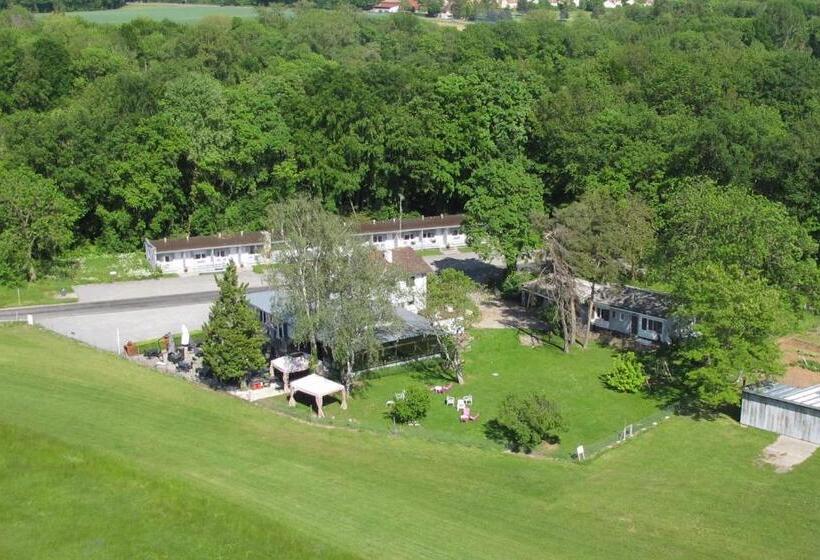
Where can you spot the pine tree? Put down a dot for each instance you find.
(233, 334)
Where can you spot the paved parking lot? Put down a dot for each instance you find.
(159, 287)
(100, 329)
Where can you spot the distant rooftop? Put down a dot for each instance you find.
(217, 241)
(425, 222)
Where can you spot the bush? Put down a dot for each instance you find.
(413, 407)
(627, 374)
(524, 421)
(511, 286)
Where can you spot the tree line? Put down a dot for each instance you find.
(152, 128)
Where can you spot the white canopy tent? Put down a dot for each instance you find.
(318, 387)
(292, 363)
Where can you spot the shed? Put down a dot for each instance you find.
(783, 409)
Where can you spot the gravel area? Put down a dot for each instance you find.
(100, 329)
(158, 287)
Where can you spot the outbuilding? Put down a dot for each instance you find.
(783, 409)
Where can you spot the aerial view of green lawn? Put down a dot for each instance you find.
(105, 459)
(179, 13)
(497, 364)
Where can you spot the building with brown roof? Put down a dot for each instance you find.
(428, 232)
(211, 253)
(411, 293)
(207, 253)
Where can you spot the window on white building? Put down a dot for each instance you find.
(253, 249)
(199, 256)
(167, 258)
(429, 234)
(602, 314)
(409, 236)
(220, 253)
(651, 325)
(455, 231)
(378, 239)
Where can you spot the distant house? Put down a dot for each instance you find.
(411, 293)
(626, 310)
(783, 409)
(211, 253)
(427, 232)
(394, 6)
(208, 253)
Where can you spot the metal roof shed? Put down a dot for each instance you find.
(783, 409)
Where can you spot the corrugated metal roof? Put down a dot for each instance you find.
(804, 396)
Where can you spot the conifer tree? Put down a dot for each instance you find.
(233, 334)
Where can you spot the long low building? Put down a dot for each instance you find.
(207, 253)
(428, 232)
(626, 310)
(211, 253)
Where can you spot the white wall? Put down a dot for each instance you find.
(184, 262)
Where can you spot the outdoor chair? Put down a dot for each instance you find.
(450, 401)
(460, 405)
(400, 396)
(468, 399)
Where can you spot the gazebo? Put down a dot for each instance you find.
(292, 363)
(318, 387)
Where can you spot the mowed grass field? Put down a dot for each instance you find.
(100, 458)
(497, 364)
(179, 13)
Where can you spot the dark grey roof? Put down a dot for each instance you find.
(638, 300)
(411, 325)
(263, 300)
(628, 298)
(803, 396)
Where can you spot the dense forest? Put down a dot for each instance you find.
(154, 128)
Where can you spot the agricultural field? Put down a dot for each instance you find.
(104, 459)
(178, 13)
(495, 365)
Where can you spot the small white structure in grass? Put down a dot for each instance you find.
(579, 453)
(292, 363)
(317, 387)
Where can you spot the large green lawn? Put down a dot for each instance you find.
(100, 458)
(592, 412)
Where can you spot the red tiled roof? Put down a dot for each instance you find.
(208, 241)
(410, 261)
(428, 222)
